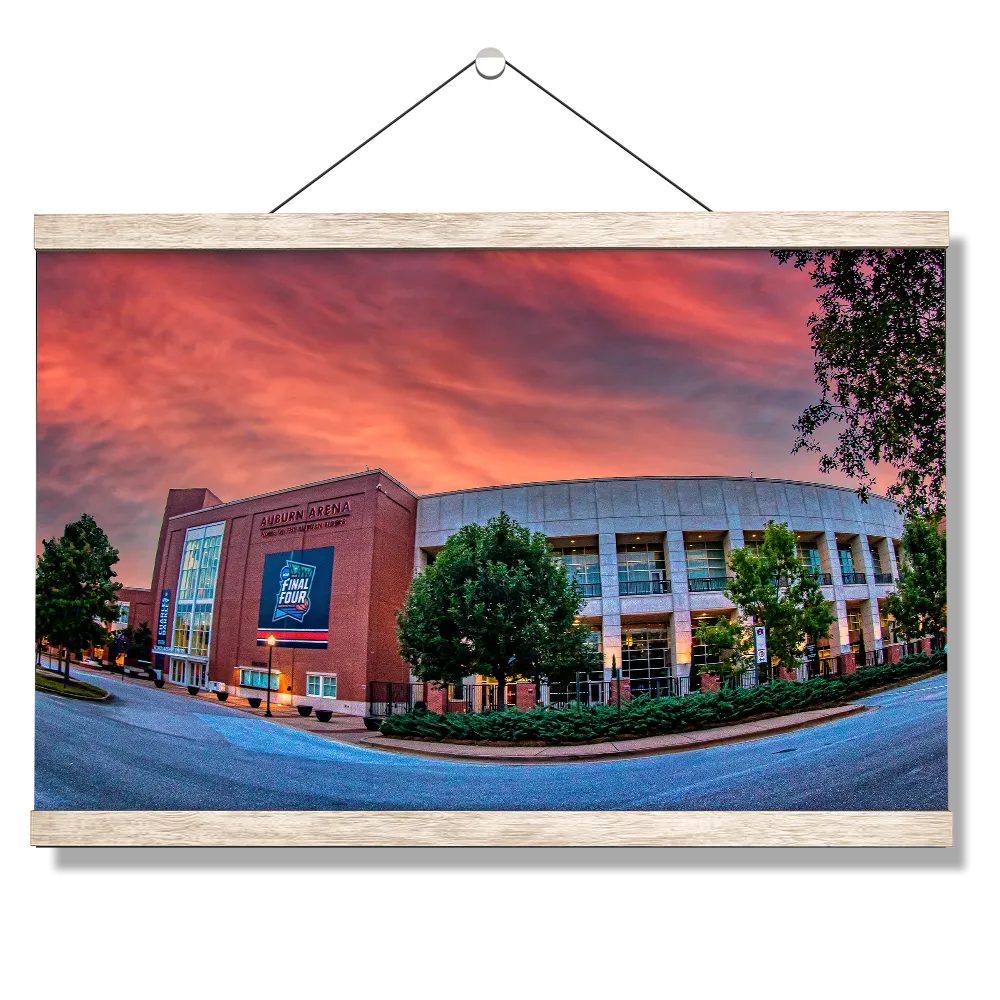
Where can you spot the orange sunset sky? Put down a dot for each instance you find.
(254, 371)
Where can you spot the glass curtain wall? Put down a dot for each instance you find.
(583, 565)
(706, 565)
(642, 569)
(196, 587)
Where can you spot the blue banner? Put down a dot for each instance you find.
(295, 598)
(163, 622)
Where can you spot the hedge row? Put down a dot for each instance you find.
(644, 716)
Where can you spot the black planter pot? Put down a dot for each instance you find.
(193, 691)
(159, 682)
(324, 714)
(305, 710)
(222, 695)
(253, 702)
(372, 723)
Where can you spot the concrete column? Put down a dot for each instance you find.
(840, 639)
(611, 622)
(891, 561)
(680, 620)
(871, 624)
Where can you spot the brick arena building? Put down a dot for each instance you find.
(323, 568)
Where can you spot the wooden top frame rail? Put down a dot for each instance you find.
(630, 230)
(640, 230)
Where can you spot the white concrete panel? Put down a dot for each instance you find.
(536, 504)
(490, 504)
(556, 502)
(668, 493)
(470, 509)
(766, 502)
(582, 500)
(515, 502)
(653, 604)
(602, 496)
(748, 499)
(624, 498)
(650, 501)
(810, 495)
(429, 514)
(451, 511)
(711, 497)
(689, 496)
(796, 500)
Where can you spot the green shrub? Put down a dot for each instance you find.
(645, 716)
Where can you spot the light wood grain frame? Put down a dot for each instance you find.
(734, 230)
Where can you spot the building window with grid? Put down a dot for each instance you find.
(196, 587)
(700, 655)
(253, 678)
(582, 564)
(847, 570)
(642, 569)
(881, 575)
(855, 637)
(809, 557)
(706, 565)
(321, 685)
(646, 652)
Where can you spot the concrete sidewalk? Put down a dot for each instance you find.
(351, 729)
(674, 743)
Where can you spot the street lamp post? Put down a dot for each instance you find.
(271, 643)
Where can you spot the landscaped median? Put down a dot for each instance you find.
(52, 683)
(642, 716)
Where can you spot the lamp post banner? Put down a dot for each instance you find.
(295, 598)
(760, 643)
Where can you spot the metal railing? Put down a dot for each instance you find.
(633, 588)
(825, 579)
(826, 666)
(581, 692)
(883, 578)
(590, 589)
(853, 578)
(872, 658)
(391, 698)
(660, 687)
(708, 583)
(746, 679)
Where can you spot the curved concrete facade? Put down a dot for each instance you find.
(691, 520)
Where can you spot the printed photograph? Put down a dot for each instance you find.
(492, 530)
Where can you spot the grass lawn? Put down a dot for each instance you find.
(45, 680)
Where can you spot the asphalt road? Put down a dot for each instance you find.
(147, 749)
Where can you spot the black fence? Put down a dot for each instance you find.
(871, 658)
(583, 692)
(746, 679)
(853, 578)
(708, 583)
(389, 698)
(827, 666)
(660, 687)
(633, 588)
(883, 578)
(590, 589)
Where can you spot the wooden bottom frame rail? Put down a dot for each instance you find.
(57, 828)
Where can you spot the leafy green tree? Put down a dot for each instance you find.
(142, 642)
(495, 603)
(731, 642)
(879, 341)
(919, 604)
(75, 588)
(772, 585)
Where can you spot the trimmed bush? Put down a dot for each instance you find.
(644, 716)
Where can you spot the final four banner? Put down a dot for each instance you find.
(295, 598)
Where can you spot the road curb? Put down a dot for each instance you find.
(672, 743)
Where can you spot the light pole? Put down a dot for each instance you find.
(271, 643)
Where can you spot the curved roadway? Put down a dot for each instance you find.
(148, 750)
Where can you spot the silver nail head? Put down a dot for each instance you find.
(490, 63)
